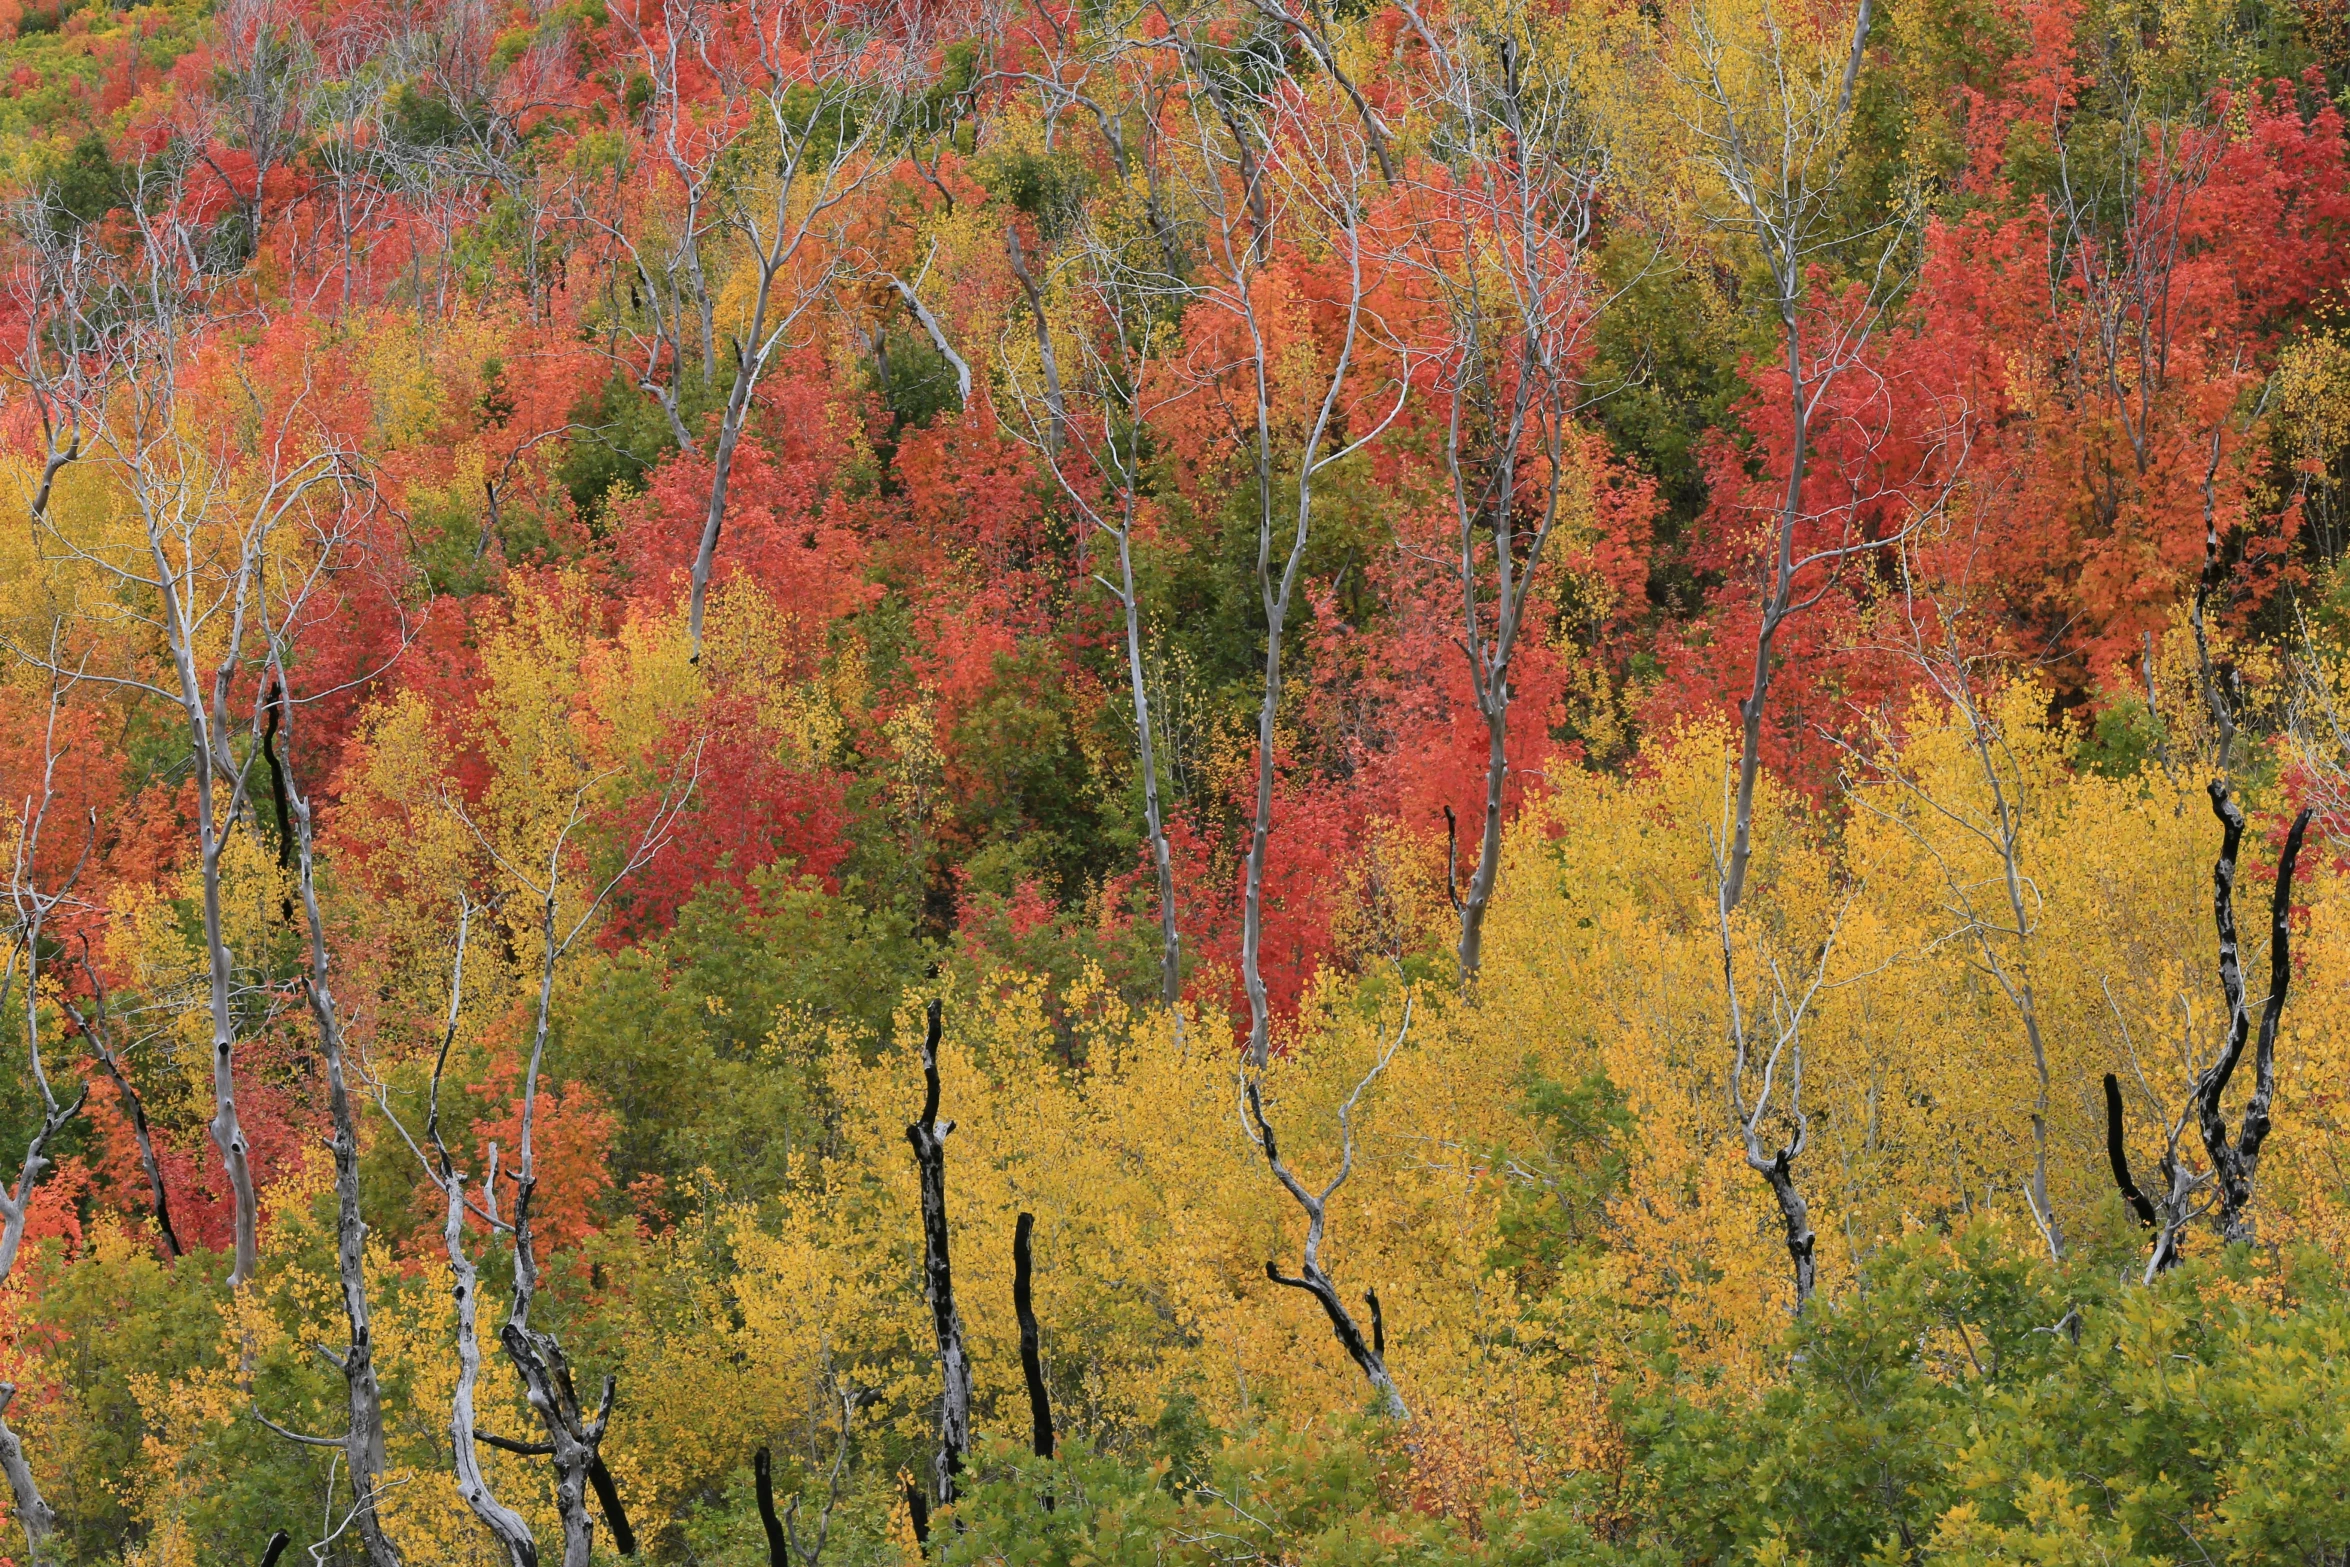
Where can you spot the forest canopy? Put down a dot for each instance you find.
(834, 783)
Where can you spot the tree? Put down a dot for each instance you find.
(817, 90)
(1264, 162)
(1770, 118)
(32, 909)
(1504, 234)
(241, 507)
(1095, 439)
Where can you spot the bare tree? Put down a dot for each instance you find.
(32, 908)
(505, 1524)
(57, 284)
(1040, 1404)
(265, 68)
(1504, 242)
(1771, 118)
(815, 89)
(362, 1444)
(215, 500)
(574, 1434)
(1368, 1354)
(929, 1137)
(1773, 1057)
(1262, 161)
(2224, 1191)
(2236, 1163)
(1119, 80)
(1094, 438)
(1776, 152)
(786, 1546)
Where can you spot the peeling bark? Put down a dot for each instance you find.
(363, 1447)
(928, 1136)
(2236, 1163)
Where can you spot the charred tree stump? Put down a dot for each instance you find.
(1040, 1409)
(928, 1136)
(2235, 1162)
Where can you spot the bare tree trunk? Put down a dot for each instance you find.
(538, 1358)
(32, 906)
(730, 429)
(1040, 1407)
(1785, 1057)
(94, 1029)
(930, 1158)
(2117, 1154)
(35, 1515)
(363, 1446)
(1795, 1215)
(1765, 159)
(504, 1524)
(1488, 871)
(1788, 246)
(1370, 1358)
(2235, 1164)
(1162, 862)
(228, 1134)
(1114, 377)
(1044, 337)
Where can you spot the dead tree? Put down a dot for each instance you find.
(1368, 1354)
(2168, 1216)
(1503, 242)
(816, 88)
(214, 505)
(574, 1436)
(1779, 164)
(1278, 160)
(2236, 1163)
(785, 1545)
(506, 1526)
(63, 365)
(32, 908)
(1095, 437)
(1040, 1407)
(362, 1443)
(1776, 156)
(929, 1138)
(96, 1029)
(2224, 1191)
(574, 1433)
(1752, 1111)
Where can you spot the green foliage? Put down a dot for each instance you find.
(112, 1326)
(86, 184)
(1318, 1497)
(1050, 187)
(707, 1043)
(1972, 1404)
(1557, 1199)
(622, 434)
(2125, 737)
(921, 385)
